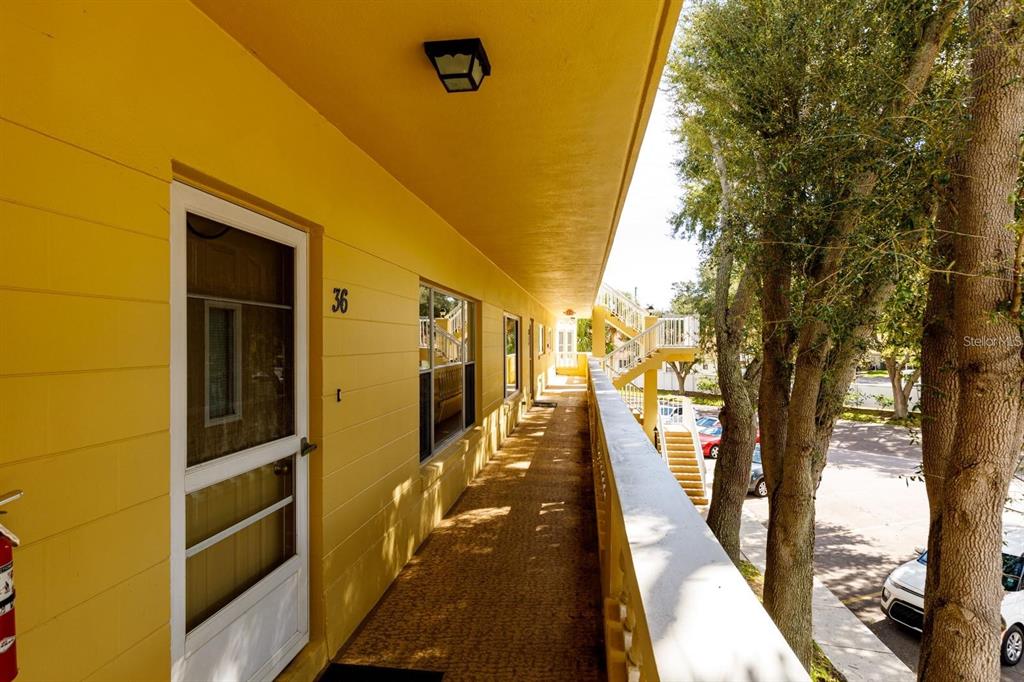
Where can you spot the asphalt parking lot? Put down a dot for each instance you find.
(870, 518)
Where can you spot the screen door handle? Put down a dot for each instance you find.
(305, 447)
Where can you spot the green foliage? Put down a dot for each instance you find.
(794, 93)
(697, 298)
(584, 335)
(707, 385)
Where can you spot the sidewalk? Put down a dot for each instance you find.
(853, 649)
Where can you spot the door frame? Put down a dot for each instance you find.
(187, 199)
(533, 350)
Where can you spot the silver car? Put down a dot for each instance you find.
(757, 485)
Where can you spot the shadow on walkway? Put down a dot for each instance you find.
(507, 587)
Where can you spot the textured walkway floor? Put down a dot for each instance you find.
(507, 587)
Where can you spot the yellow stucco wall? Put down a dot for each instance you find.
(96, 101)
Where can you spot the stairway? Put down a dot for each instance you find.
(682, 454)
(621, 312)
(670, 339)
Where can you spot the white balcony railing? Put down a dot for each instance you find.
(621, 306)
(670, 590)
(633, 396)
(666, 333)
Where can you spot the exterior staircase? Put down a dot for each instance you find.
(621, 312)
(651, 343)
(685, 461)
(670, 339)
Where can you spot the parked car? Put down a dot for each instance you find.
(757, 485)
(711, 439)
(903, 594)
(707, 423)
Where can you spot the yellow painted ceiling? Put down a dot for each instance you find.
(532, 168)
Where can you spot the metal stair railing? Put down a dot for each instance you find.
(662, 441)
(445, 344)
(456, 320)
(668, 332)
(621, 306)
(424, 332)
(633, 396)
(690, 423)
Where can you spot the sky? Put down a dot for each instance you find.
(644, 256)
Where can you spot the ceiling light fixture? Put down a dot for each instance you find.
(460, 64)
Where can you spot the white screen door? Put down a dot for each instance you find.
(239, 387)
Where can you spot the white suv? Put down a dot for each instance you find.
(903, 594)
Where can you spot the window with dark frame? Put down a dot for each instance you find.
(447, 362)
(511, 362)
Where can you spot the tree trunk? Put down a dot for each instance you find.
(841, 368)
(773, 406)
(739, 428)
(789, 568)
(899, 399)
(908, 388)
(965, 609)
(681, 373)
(732, 470)
(939, 398)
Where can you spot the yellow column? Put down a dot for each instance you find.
(597, 329)
(650, 391)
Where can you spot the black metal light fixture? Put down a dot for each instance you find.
(650, 310)
(460, 64)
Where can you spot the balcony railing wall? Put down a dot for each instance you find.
(675, 607)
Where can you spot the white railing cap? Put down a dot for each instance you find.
(704, 621)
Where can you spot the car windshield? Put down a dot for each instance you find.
(1013, 567)
(757, 454)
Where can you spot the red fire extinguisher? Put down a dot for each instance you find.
(8, 650)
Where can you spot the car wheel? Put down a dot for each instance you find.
(1013, 646)
(761, 488)
(713, 452)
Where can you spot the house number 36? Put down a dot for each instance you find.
(340, 301)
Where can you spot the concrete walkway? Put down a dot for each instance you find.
(507, 587)
(853, 649)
